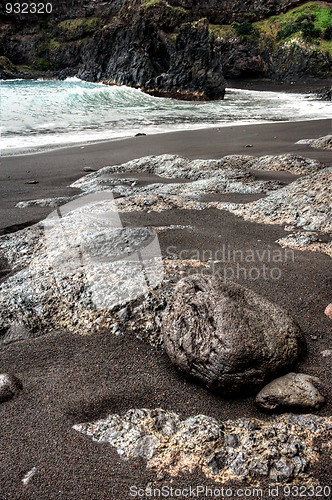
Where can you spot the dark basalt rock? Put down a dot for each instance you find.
(165, 48)
(227, 336)
(142, 56)
(323, 94)
(10, 386)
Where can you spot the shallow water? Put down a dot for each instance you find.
(42, 115)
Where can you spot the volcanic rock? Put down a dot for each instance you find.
(288, 162)
(10, 386)
(305, 203)
(241, 448)
(294, 389)
(323, 142)
(227, 336)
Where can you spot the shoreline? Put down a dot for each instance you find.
(260, 86)
(83, 145)
(54, 171)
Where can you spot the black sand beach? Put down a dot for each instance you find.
(69, 378)
(56, 170)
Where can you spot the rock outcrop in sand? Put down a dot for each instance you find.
(305, 204)
(323, 142)
(280, 450)
(227, 336)
(35, 300)
(288, 162)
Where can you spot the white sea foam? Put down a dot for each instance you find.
(39, 115)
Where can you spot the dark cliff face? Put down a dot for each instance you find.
(166, 48)
(143, 56)
(291, 64)
(217, 11)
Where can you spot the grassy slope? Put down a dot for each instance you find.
(269, 27)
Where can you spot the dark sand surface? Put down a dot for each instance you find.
(310, 85)
(70, 378)
(56, 170)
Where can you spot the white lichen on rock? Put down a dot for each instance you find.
(280, 449)
(323, 142)
(288, 162)
(305, 204)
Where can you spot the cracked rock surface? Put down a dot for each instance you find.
(280, 449)
(288, 162)
(303, 205)
(227, 336)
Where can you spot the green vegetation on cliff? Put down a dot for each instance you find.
(164, 35)
(308, 23)
(74, 29)
(169, 17)
(311, 21)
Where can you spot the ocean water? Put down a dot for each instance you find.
(43, 115)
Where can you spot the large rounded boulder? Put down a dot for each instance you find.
(227, 336)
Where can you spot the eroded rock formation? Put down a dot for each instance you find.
(227, 336)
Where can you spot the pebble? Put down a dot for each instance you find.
(89, 169)
(326, 353)
(293, 389)
(328, 311)
(10, 386)
(29, 475)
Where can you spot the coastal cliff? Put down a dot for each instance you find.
(177, 48)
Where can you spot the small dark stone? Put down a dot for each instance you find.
(221, 458)
(139, 134)
(10, 386)
(231, 440)
(254, 426)
(282, 470)
(89, 169)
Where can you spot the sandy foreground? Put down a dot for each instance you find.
(69, 378)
